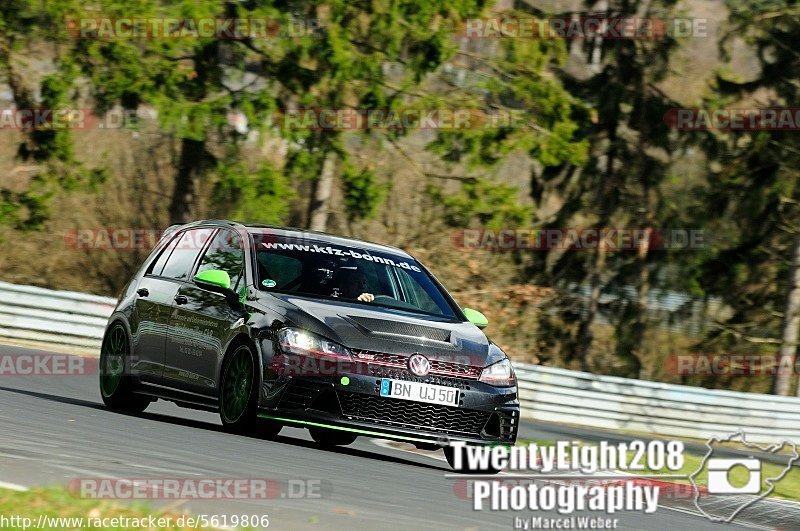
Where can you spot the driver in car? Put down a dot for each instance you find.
(353, 284)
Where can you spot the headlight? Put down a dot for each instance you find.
(296, 341)
(500, 374)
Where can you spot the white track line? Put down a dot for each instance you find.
(13, 486)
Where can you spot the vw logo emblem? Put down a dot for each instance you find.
(419, 365)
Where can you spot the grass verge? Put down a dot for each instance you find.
(787, 488)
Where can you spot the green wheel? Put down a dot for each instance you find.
(115, 385)
(237, 391)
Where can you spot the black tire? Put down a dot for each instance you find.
(326, 438)
(449, 454)
(268, 428)
(116, 388)
(238, 392)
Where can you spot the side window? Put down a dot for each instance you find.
(179, 264)
(225, 253)
(158, 265)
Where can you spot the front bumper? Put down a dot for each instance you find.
(486, 415)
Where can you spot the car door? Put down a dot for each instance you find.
(202, 320)
(154, 299)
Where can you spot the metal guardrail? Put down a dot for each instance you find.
(53, 317)
(547, 394)
(609, 402)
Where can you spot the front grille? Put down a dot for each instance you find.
(397, 374)
(438, 367)
(403, 413)
(381, 358)
(455, 369)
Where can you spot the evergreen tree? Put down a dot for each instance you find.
(756, 193)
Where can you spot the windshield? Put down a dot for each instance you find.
(318, 269)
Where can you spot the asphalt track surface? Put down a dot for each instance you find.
(54, 429)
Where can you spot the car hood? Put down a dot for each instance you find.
(378, 329)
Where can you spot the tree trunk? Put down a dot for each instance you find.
(642, 299)
(782, 382)
(585, 335)
(192, 160)
(634, 357)
(318, 213)
(595, 63)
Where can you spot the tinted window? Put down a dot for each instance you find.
(158, 265)
(225, 254)
(179, 265)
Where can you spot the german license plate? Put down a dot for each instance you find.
(419, 392)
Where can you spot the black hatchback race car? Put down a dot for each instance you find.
(289, 327)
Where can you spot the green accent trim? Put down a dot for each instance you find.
(475, 317)
(215, 277)
(345, 380)
(343, 428)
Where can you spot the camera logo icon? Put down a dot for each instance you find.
(719, 481)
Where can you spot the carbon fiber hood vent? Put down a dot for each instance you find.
(397, 328)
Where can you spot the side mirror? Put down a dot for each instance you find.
(219, 282)
(475, 317)
(214, 279)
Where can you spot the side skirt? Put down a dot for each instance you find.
(181, 398)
